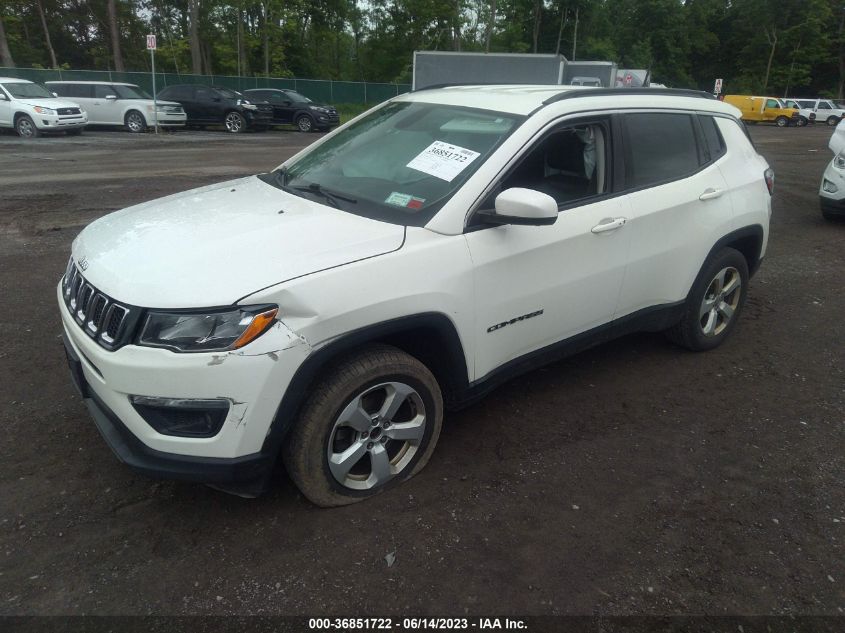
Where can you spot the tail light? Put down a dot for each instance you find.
(769, 175)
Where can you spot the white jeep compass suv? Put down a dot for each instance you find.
(328, 312)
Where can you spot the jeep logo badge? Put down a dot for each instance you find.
(83, 264)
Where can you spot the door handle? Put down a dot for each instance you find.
(710, 193)
(609, 224)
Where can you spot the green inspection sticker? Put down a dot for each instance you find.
(405, 200)
(398, 199)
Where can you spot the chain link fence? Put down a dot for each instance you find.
(326, 91)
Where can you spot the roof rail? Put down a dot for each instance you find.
(618, 92)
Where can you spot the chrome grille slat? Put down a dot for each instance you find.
(99, 316)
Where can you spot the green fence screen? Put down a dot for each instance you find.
(326, 91)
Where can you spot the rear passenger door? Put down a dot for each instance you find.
(680, 204)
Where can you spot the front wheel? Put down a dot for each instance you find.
(371, 423)
(135, 122)
(234, 122)
(714, 303)
(832, 120)
(782, 121)
(304, 123)
(802, 121)
(25, 127)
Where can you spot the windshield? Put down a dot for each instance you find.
(131, 92)
(401, 163)
(296, 97)
(28, 90)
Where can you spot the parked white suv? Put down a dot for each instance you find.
(832, 188)
(109, 103)
(825, 110)
(407, 263)
(30, 109)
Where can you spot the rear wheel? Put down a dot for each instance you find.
(135, 122)
(25, 127)
(714, 303)
(371, 423)
(802, 121)
(234, 122)
(782, 121)
(832, 120)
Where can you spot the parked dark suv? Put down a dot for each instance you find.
(210, 105)
(291, 107)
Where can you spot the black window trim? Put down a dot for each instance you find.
(699, 140)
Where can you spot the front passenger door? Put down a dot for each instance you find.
(550, 283)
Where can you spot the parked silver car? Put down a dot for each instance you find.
(124, 104)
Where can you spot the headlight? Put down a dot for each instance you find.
(323, 110)
(839, 161)
(207, 331)
(43, 110)
(249, 106)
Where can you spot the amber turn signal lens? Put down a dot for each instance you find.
(259, 325)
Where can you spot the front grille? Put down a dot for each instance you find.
(66, 111)
(97, 314)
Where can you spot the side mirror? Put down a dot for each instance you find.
(111, 97)
(3, 97)
(524, 207)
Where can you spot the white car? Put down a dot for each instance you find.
(832, 189)
(825, 110)
(30, 110)
(329, 311)
(805, 115)
(109, 103)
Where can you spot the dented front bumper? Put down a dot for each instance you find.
(253, 379)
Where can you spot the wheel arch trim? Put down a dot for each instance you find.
(452, 372)
(748, 240)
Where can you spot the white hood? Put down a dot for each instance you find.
(54, 104)
(837, 141)
(212, 246)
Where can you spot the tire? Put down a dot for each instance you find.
(781, 121)
(710, 314)
(304, 123)
(802, 121)
(25, 127)
(832, 120)
(342, 415)
(234, 122)
(135, 122)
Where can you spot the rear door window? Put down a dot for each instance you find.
(659, 147)
(77, 91)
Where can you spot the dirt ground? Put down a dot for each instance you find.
(635, 478)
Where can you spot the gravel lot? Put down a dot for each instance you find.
(635, 478)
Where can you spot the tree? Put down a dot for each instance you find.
(47, 39)
(5, 54)
(114, 32)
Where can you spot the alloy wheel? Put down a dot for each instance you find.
(234, 122)
(134, 122)
(376, 436)
(304, 124)
(26, 128)
(720, 301)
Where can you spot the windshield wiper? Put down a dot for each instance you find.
(329, 196)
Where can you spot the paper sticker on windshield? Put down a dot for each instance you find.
(404, 200)
(443, 160)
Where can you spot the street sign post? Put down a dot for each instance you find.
(717, 89)
(151, 46)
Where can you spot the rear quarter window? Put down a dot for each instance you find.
(659, 147)
(714, 143)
